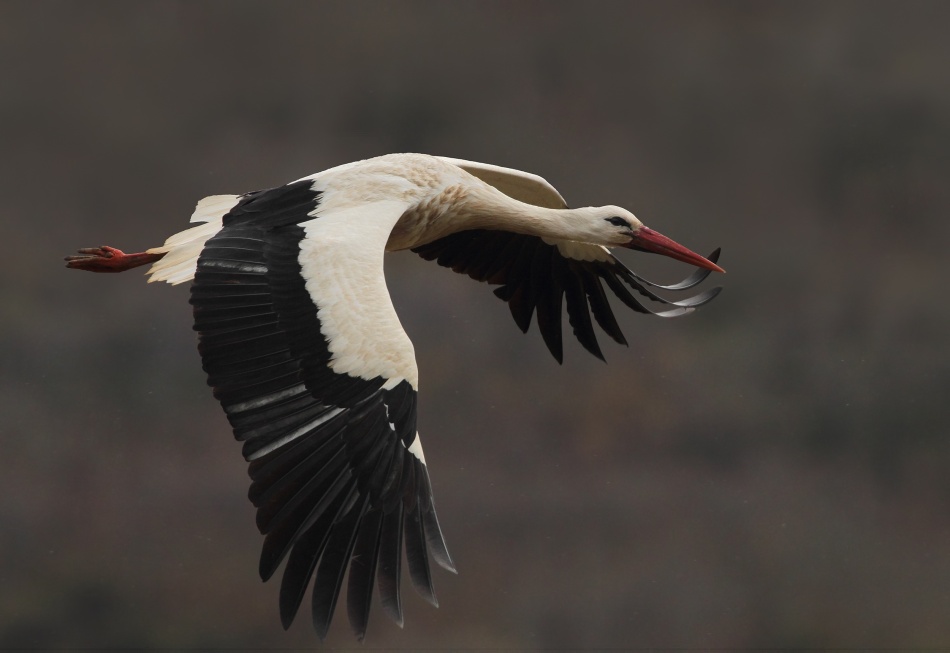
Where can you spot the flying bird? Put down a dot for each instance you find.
(305, 353)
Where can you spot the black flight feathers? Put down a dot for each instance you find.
(537, 279)
(333, 482)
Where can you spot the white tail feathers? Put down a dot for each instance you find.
(182, 249)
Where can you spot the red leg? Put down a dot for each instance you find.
(109, 259)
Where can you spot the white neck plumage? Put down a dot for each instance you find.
(484, 207)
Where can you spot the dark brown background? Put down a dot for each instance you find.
(772, 471)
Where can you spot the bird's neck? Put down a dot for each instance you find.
(504, 213)
(483, 207)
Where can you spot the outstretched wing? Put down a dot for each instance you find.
(324, 402)
(538, 276)
(522, 186)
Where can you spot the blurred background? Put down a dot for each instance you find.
(771, 471)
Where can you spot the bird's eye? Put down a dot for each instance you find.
(617, 221)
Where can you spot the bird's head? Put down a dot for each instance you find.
(618, 227)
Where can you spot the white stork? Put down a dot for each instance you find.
(303, 348)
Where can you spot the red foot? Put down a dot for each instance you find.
(109, 259)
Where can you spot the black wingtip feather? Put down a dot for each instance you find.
(287, 530)
(600, 305)
(436, 542)
(521, 306)
(359, 591)
(578, 313)
(418, 559)
(389, 574)
(332, 567)
(303, 560)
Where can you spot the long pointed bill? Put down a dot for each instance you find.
(648, 240)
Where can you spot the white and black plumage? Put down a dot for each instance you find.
(304, 350)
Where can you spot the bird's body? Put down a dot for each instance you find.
(305, 352)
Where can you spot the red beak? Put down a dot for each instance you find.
(647, 240)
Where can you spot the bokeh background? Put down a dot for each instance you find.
(770, 471)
